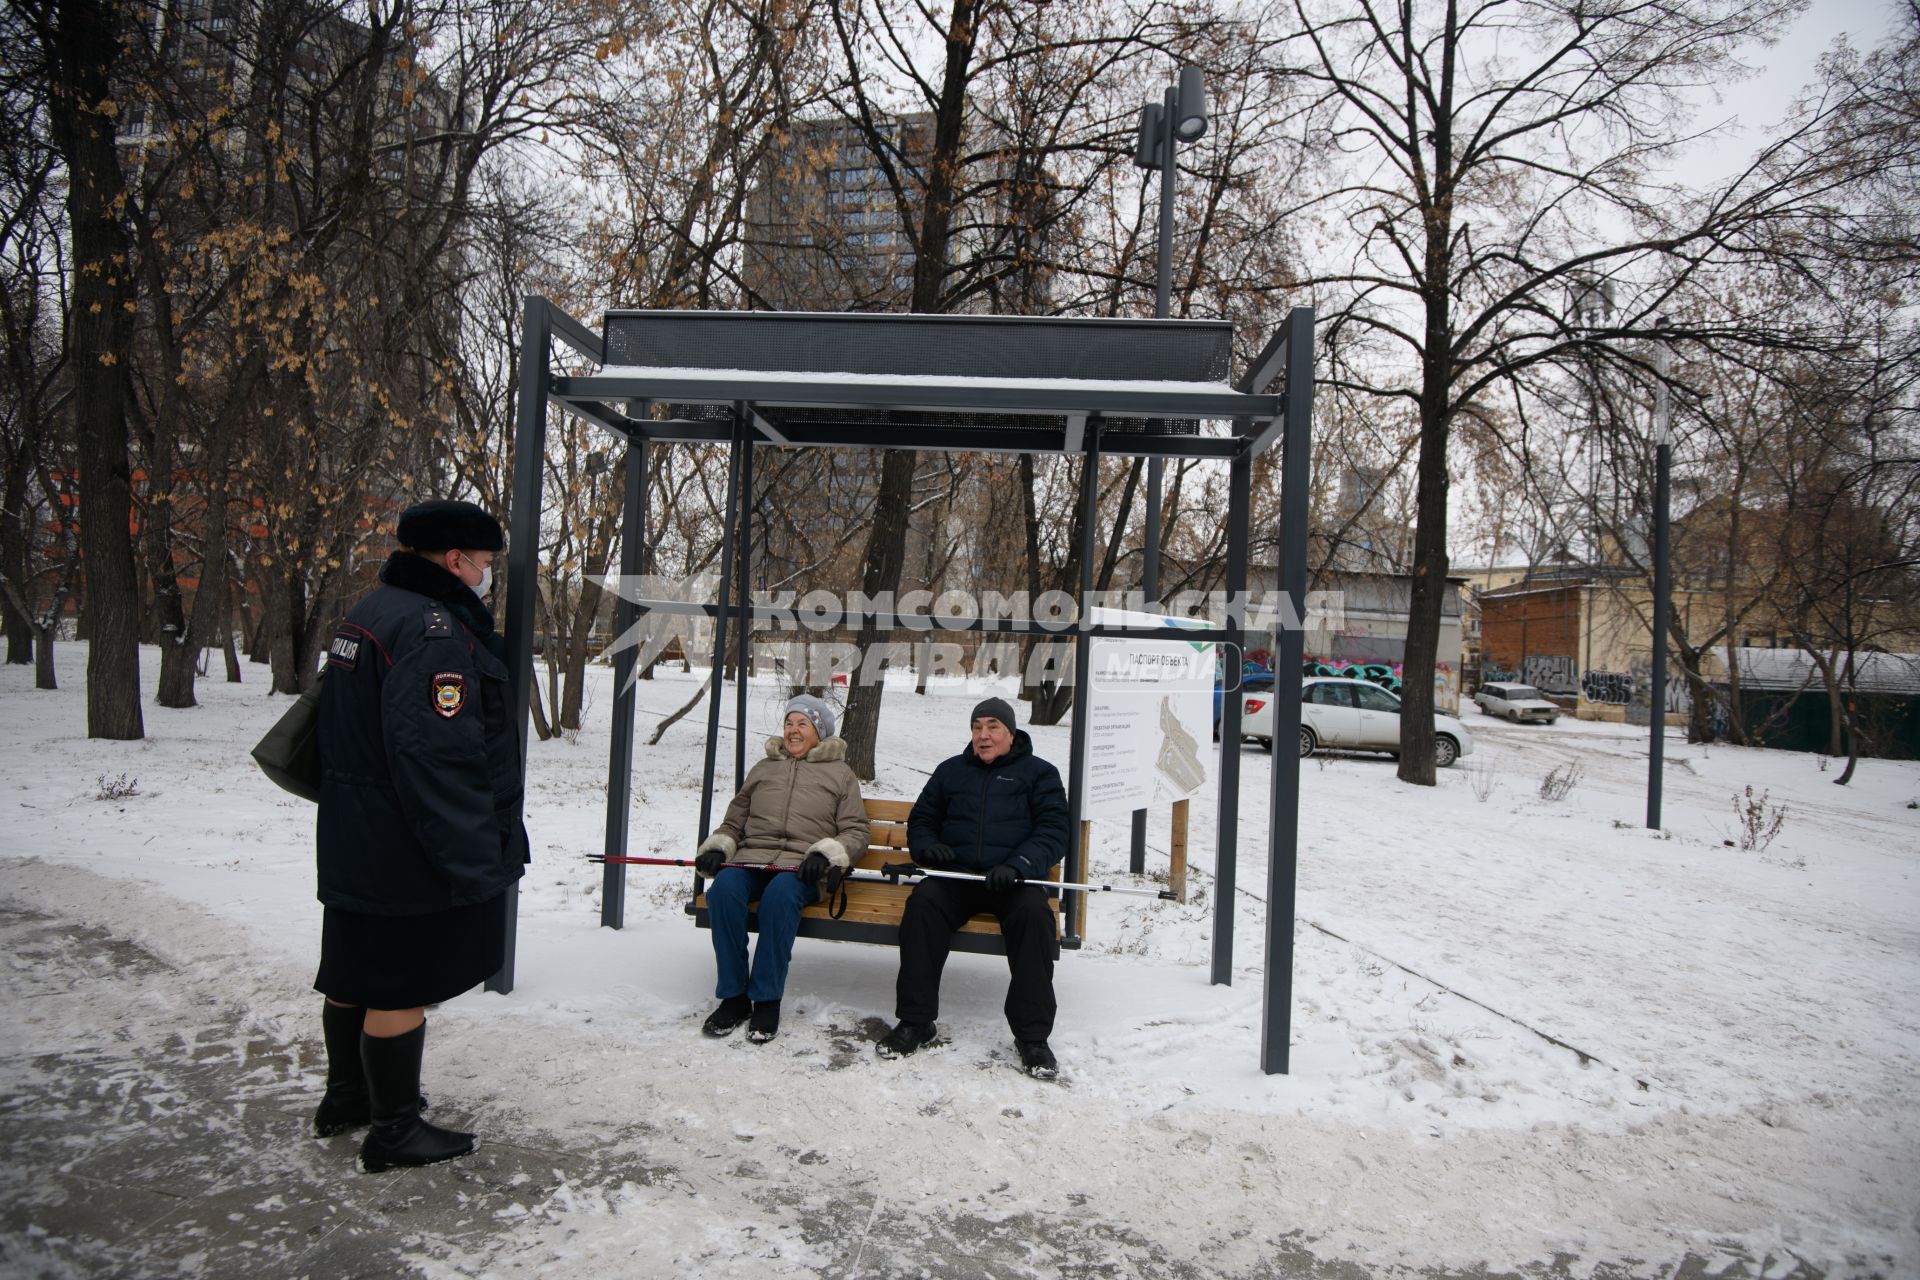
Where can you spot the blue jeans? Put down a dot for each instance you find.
(781, 895)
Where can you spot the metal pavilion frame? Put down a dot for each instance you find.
(783, 407)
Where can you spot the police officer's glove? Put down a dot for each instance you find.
(935, 855)
(709, 862)
(1004, 877)
(812, 867)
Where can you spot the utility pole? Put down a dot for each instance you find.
(1179, 117)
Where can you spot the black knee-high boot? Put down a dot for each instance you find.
(399, 1136)
(344, 1105)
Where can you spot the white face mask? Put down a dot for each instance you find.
(486, 577)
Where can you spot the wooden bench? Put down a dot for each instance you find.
(873, 909)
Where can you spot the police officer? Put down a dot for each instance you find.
(419, 826)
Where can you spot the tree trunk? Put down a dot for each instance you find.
(43, 658)
(887, 545)
(1428, 589)
(83, 49)
(16, 625)
(885, 557)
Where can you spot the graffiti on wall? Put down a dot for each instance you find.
(1390, 676)
(1607, 686)
(1547, 672)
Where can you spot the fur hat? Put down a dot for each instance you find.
(441, 524)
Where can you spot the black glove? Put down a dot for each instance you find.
(812, 867)
(1004, 877)
(709, 862)
(935, 855)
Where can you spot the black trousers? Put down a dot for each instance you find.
(936, 908)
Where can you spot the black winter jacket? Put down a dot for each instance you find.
(420, 778)
(1013, 810)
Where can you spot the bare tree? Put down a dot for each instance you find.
(1481, 150)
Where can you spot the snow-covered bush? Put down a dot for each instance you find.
(1760, 820)
(1560, 781)
(116, 788)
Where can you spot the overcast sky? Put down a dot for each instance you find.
(1782, 71)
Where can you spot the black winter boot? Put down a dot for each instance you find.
(344, 1105)
(724, 1020)
(1036, 1059)
(905, 1039)
(764, 1024)
(399, 1136)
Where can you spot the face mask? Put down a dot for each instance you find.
(486, 578)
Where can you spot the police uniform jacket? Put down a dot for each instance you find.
(421, 786)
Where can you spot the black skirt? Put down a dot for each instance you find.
(402, 962)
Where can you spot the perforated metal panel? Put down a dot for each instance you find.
(932, 346)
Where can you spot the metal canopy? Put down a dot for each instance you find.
(998, 384)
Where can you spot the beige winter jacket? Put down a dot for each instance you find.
(790, 808)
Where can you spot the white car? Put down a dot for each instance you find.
(1351, 715)
(1521, 703)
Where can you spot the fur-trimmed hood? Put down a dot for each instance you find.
(827, 751)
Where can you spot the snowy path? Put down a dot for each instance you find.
(1765, 1000)
(154, 1127)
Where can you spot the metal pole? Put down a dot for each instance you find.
(720, 627)
(1227, 846)
(523, 559)
(1156, 466)
(1082, 659)
(1283, 830)
(1662, 588)
(745, 634)
(633, 536)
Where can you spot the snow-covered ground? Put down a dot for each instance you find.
(1522, 1028)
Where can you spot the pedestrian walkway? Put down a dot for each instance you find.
(146, 1132)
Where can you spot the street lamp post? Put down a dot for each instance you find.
(1662, 587)
(1180, 117)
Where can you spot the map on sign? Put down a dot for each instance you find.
(1149, 715)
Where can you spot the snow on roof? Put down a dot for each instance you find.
(1788, 669)
(1092, 386)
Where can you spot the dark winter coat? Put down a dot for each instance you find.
(1013, 810)
(789, 808)
(420, 778)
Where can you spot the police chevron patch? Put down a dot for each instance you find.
(449, 692)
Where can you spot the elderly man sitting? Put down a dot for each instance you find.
(999, 810)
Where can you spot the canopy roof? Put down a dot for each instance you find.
(997, 383)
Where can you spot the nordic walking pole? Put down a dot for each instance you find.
(627, 860)
(896, 869)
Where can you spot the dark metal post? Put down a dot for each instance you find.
(523, 558)
(720, 629)
(633, 537)
(1227, 846)
(1156, 465)
(1283, 831)
(1662, 587)
(745, 634)
(1082, 660)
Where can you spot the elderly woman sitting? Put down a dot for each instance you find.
(798, 815)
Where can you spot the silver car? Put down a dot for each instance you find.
(1350, 715)
(1520, 703)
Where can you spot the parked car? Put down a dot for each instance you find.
(1251, 682)
(1520, 703)
(1351, 715)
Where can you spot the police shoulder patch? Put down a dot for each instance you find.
(449, 692)
(438, 622)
